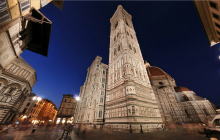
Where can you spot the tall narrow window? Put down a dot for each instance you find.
(101, 100)
(119, 48)
(117, 34)
(130, 47)
(116, 25)
(126, 23)
(133, 110)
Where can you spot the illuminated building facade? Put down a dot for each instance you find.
(22, 27)
(131, 94)
(129, 100)
(209, 13)
(16, 82)
(90, 107)
(31, 108)
(178, 104)
(48, 112)
(66, 110)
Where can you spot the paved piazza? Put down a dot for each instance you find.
(43, 133)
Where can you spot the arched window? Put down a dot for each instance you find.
(130, 47)
(114, 52)
(131, 36)
(127, 33)
(119, 48)
(114, 38)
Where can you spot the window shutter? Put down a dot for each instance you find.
(25, 5)
(4, 16)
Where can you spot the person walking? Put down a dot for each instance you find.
(34, 128)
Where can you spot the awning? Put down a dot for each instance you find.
(40, 28)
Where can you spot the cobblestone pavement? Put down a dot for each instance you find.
(97, 134)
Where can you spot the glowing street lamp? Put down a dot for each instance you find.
(39, 98)
(77, 98)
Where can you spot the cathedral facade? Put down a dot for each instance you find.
(130, 94)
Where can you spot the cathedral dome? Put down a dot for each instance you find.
(155, 71)
(180, 89)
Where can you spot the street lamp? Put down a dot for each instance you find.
(37, 98)
(77, 98)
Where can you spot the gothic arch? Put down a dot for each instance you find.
(4, 81)
(15, 85)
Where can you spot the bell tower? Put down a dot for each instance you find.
(130, 98)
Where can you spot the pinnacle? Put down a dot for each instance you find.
(120, 6)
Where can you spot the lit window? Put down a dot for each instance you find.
(100, 113)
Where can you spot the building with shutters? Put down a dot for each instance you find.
(129, 93)
(23, 26)
(66, 110)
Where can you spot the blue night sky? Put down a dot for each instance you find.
(170, 35)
